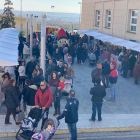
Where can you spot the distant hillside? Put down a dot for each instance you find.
(70, 17)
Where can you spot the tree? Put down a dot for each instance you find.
(7, 18)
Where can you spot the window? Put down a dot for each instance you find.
(98, 18)
(133, 21)
(108, 19)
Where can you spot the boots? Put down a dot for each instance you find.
(55, 113)
(59, 112)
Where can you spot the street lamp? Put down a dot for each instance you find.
(80, 14)
(52, 7)
(21, 14)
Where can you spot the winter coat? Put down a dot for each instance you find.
(125, 63)
(12, 100)
(24, 91)
(136, 71)
(79, 52)
(38, 79)
(132, 61)
(30, 95)
(50, 68)
(71, 111)
(71, 51)
(21, 70)
(60, 69)
(97, 52)
(113, 76)
(96, 74)
(30, 67)
(57, 56)
(105, 69)
(113, 63)
(44, 99)
(98, 93)
(69, 71)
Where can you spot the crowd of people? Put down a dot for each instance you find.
(39, 89)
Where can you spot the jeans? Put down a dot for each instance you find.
(136, 80)
(22, 80)
(125, 71)
(131, 73)
(105, 79)
(98, 106)
(29, 76)
(72, 60)
(9, 112)
(97, 58)
(79, 60)
(113, 93)
(21, 53)
(45, 117)
(73, 131)
(57, 103)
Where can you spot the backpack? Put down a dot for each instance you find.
(120, 58)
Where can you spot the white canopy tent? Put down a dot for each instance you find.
(82, 31)
(9, 47)
(114, 40)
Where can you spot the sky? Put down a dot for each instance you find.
(66, 6)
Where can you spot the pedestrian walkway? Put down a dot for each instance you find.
(124, 112)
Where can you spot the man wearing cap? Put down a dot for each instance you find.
(71, 114)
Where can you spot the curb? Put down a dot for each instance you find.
(92, 130)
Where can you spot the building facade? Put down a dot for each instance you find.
(118, 18)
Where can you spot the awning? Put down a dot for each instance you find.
(128, 44)
(82, 31)
(104, 37)
(136, 48)
(9, 47)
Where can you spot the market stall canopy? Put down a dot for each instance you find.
(104, 37)
(82, 31)
(136, 48)
(9, 47)
(128, 44)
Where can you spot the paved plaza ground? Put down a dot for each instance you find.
(124, 112)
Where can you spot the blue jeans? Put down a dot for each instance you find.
(98, 106)
(131, 73)
(29, 76)
(73, 131)
(113, 93)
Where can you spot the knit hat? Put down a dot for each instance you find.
(62, 34)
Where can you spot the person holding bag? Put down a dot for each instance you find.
(12, 102)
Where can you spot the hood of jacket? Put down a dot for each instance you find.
(33, 87)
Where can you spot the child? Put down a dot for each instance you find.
(69, 60)
(61, 84)
(24, 91)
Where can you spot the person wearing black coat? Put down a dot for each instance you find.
(30, 68)
(125, 64)
(71, 114)
(30, 96)
(105, 73)
(57, 55)
(132, 61)
(98, 93)
(79, 54)
(71, 52)
(20, 48)
(39, 78)
(84, 53)
(12, 101)
(97, 53)
(50, 48)
(60, 69)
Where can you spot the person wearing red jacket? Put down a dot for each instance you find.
(113, 62)
(43, 99)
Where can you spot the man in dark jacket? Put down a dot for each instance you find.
(79, 54)
(97, 53)
(105, 73)
(57, 55)
(95, 72)
(30, 68)
(20, 48)
(71, 114)
(132, 61)
(60, 69)
(49, 69)
(71, 52)
(98, 93)
(113, 80)
(125, 65)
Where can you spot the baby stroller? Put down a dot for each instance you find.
(48, 130)
(30, 124)
(67, 87)
(92, 59)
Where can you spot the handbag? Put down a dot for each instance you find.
(19, 116)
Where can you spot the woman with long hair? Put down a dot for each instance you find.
(54, 84)
(12, 101)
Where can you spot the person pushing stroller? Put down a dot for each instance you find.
(43, 99)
